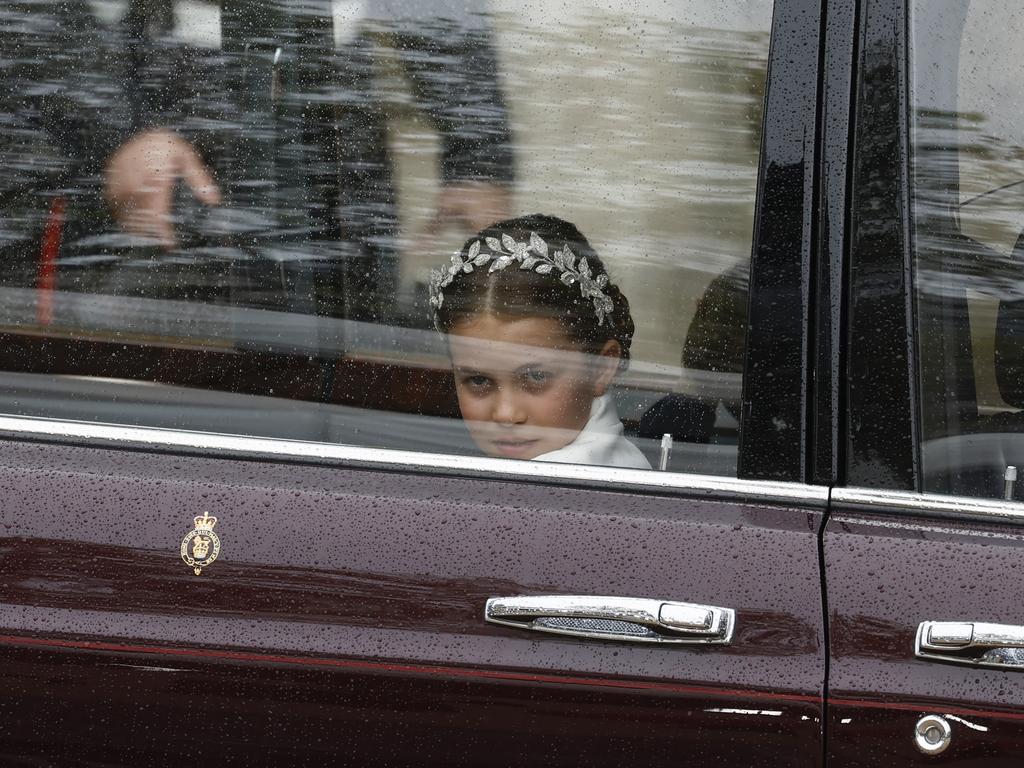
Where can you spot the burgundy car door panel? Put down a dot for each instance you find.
(344, 616)
(888, 574)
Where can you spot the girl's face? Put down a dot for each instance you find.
(524, 387)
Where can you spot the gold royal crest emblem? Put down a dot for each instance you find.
(201, 545)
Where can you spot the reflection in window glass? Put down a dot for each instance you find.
(969, 221)
(223, 216)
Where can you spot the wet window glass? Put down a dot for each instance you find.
(968, 179)
(483, 228)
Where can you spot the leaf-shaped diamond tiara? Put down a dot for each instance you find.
(533, 255)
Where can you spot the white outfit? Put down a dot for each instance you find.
(600, 442)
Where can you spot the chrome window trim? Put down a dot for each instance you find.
(927, 504)
(705, 487)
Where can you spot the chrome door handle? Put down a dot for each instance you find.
(632, 619)
(971, 642)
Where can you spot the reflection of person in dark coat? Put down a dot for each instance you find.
(276, 117)
(62, 115)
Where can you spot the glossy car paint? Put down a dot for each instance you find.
(773, 441)
(891, 565)
(833, 180)
(880, 416)
(344, 617)
(887, 572)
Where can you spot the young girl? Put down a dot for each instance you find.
(536, 333)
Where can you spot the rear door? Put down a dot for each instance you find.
(924, 545)
(360, 544)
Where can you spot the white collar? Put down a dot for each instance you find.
(600, 442)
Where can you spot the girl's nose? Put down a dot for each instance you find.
(507, 409)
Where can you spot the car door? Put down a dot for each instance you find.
(367, 589)
(344, 616)
(923, 545)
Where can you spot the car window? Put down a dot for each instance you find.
(268, 218)
(968, 175)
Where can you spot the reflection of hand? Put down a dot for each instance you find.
(140, 179)
(472, 205)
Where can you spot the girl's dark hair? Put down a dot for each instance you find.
(515, 293)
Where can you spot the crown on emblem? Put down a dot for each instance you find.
(205, 523)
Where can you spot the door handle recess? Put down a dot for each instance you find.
(971, 642)
(632, 619)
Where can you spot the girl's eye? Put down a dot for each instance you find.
(537, 377)
(477, 381)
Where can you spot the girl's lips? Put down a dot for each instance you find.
(514, 448)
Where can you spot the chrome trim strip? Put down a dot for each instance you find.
(928, 504)
(579, 475)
